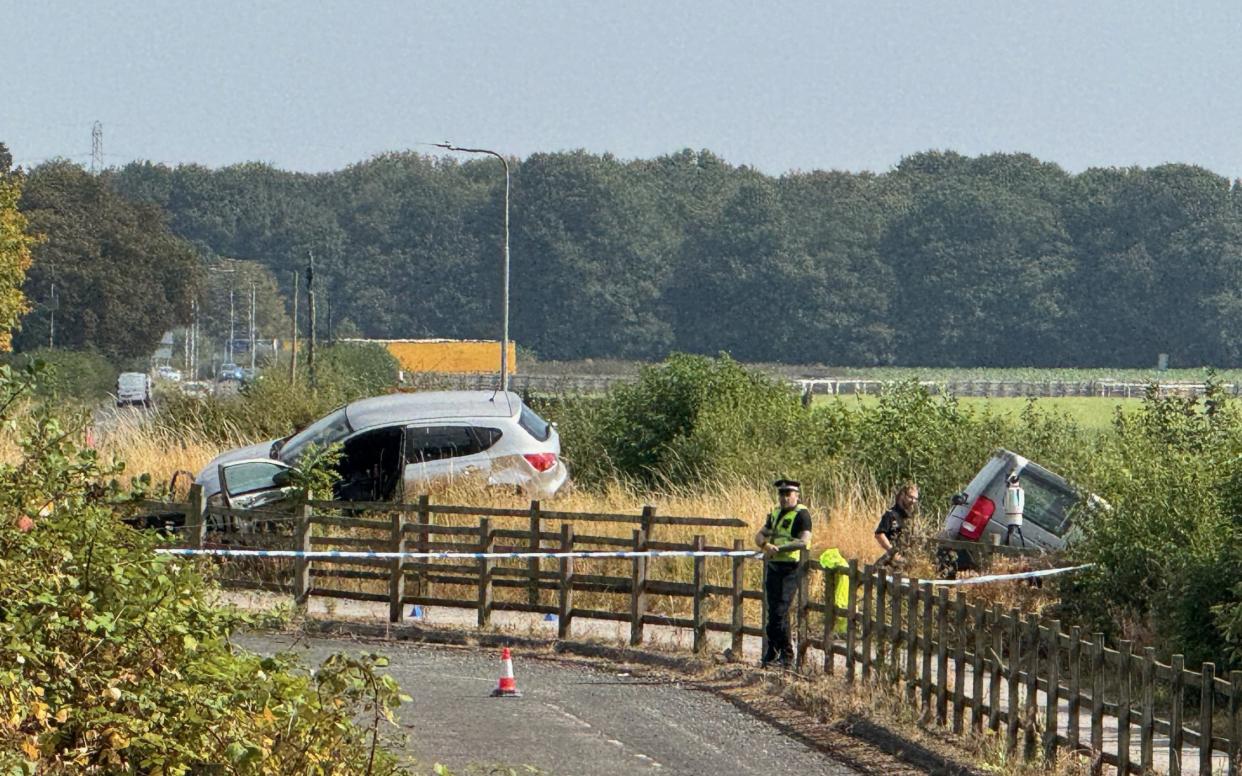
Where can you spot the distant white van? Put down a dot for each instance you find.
(133, 388)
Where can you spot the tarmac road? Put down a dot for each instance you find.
(571, 721)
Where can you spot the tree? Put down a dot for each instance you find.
(16, 244)
(122, 279)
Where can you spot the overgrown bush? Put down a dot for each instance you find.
(114, 660)
(1164, 552)
(688, 419)
(80, 375)
(273, 407)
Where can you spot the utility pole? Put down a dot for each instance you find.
(96, 148)
(192, 363)
(293, 356)
(51, 332)
(310, 304)
(328, 301)
(252, 331)
(229, 349)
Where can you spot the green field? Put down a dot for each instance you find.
(1089, 412)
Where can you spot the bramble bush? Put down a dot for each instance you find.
(113, 659)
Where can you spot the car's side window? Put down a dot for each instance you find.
(434, 443)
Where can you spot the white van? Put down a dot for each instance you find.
(978, 513)
(133, 388)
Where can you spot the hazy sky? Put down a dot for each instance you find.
(809, 85)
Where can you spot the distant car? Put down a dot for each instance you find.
(169, 374)
(230, 372)
(397, 444)
(196, 389)
(133, 388)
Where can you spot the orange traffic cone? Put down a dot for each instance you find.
(508, 685)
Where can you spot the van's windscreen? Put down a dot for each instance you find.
(1047, 501)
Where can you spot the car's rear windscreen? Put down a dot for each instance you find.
(535, 426)
(1048, 500)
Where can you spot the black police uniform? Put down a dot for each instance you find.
(780, 582)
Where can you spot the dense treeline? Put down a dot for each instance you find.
(947, 260)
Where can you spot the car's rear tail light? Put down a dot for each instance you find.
(977, 519)
(541, 461)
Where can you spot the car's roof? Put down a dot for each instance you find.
(431, 405)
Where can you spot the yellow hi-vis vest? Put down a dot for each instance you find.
(831, 558)
(781, 532)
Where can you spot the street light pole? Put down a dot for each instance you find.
(504, 288)
(253, 343)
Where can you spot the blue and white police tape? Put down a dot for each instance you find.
(446, 555)
(1005, 577)
(376, 555)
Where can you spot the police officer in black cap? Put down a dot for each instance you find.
(786, 532)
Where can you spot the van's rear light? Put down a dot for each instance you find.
(977, 519)
(541, 461)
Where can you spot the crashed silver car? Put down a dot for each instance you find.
(394, 446)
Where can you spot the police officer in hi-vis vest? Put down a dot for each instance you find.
(786, 532)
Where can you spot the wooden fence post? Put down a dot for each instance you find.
(1032, 688)
(830, 618)
(1207, 707)
(1147, 729)
(196, 518)
(424, 539)
(867, 614)
(1125, 650)
(959, 661)
(895, 633)
(942, 656)
(1177, 697)
(638, 589)
(804, 603)
(925, 681)
(1097, 696)
(396, 573)
(998, 667)
(535, 543)
(1074, 704)
(1015, 666)
(737, 603)
(912, 633)
(566, 608)
(700, 580)
(851, 621)
(976, 667)
(302, 564)
(1235, 720)
(487, 543)
(881, 618)
(1053, 697)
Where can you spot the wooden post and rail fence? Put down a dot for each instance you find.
(963, 663)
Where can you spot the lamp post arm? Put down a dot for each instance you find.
(504, 289)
